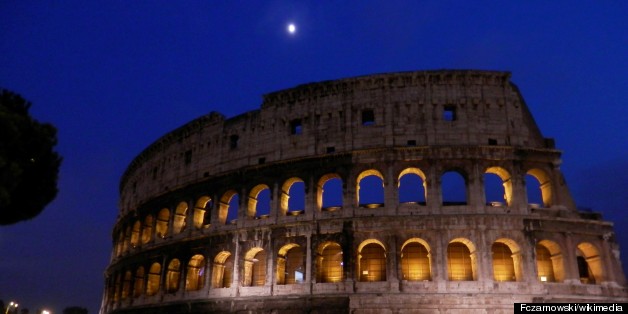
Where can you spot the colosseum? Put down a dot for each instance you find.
(412, 192)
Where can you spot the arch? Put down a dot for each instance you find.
(173, 276)
(119, 244)
(147, 229)
(461, 260)
(254, 267)
(154, 279)
(179, 218)
(412, 186)
(589, 261)
(135, 233)
(329, 262)
(138, 285)
(416, 260)
(228, 207)
(126, 285)
(290, 265)
(544, 184)
(370, 189)
(259, 201)
(329, 192)
(127, 239)
(496, 195)
(195, 277)
(201, 212)
(506, 257)
(162, 223)
(116, 289)
(222, 270)
(454, 188)
(372, 261)
(292, 196)
(549, 262)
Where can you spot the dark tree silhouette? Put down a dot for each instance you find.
(75, 310)
(28, 164)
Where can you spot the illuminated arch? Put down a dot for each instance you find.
(179, 218)
(416, 260)
(549, 262)
(201, 217)
(154, 279)
(589, 261)
(225, 210)
(545, 185)
(136, 233)
(506, 257)
(324, 193)
(401, 187)
(138, 286)
(505, 177)
(371, 261)
(461, 260)
(329, 262)
(126, 285)
(373, 189)
(286, 194)
(195, 277)
(162, 223)
(290, 265)
(222, 270)
(147, 229)
(173, 275)
(253, 206)
(254, 267)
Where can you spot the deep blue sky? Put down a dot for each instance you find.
(113, 76)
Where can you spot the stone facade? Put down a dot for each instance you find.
(301, 207)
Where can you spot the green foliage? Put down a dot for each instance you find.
(28, 165)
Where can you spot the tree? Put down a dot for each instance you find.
(75, 310)
(28, 164)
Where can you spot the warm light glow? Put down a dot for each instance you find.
(543, 278)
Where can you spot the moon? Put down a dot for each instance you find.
(292, 28)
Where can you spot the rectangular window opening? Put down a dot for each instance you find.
(233, 141)
(412, 143)
(492, 142)
(331, 149)
(368, 117)
(296, 127)
(449, 113)
(188, 157)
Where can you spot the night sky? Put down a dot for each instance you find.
(113, 76)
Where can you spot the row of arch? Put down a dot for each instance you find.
(370, 266)
(412, 185)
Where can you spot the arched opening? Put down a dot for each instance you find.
(127, 239)
(589, 264)
(147, 229)
(202, 212)
(372, 261)
(461, 260)
(195, 278)
(503, 265)
(255, 267)
(290, 265)
(119, 244)
(370, 189)
(549, 262)
(293, 197)
(162, 223)
(538, 188)
(229, 205)
(173, 276)
(126, 285)
(329, 264)
(329, 192)
(259, 202)
(412, 187)
(135, 233)
(179, 217)
(453, 188)
(497, 187)
(222, 270)
(138, 287)
(116, 289)
(154, 279)
(415, 261)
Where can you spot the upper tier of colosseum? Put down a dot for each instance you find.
(407, 109)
